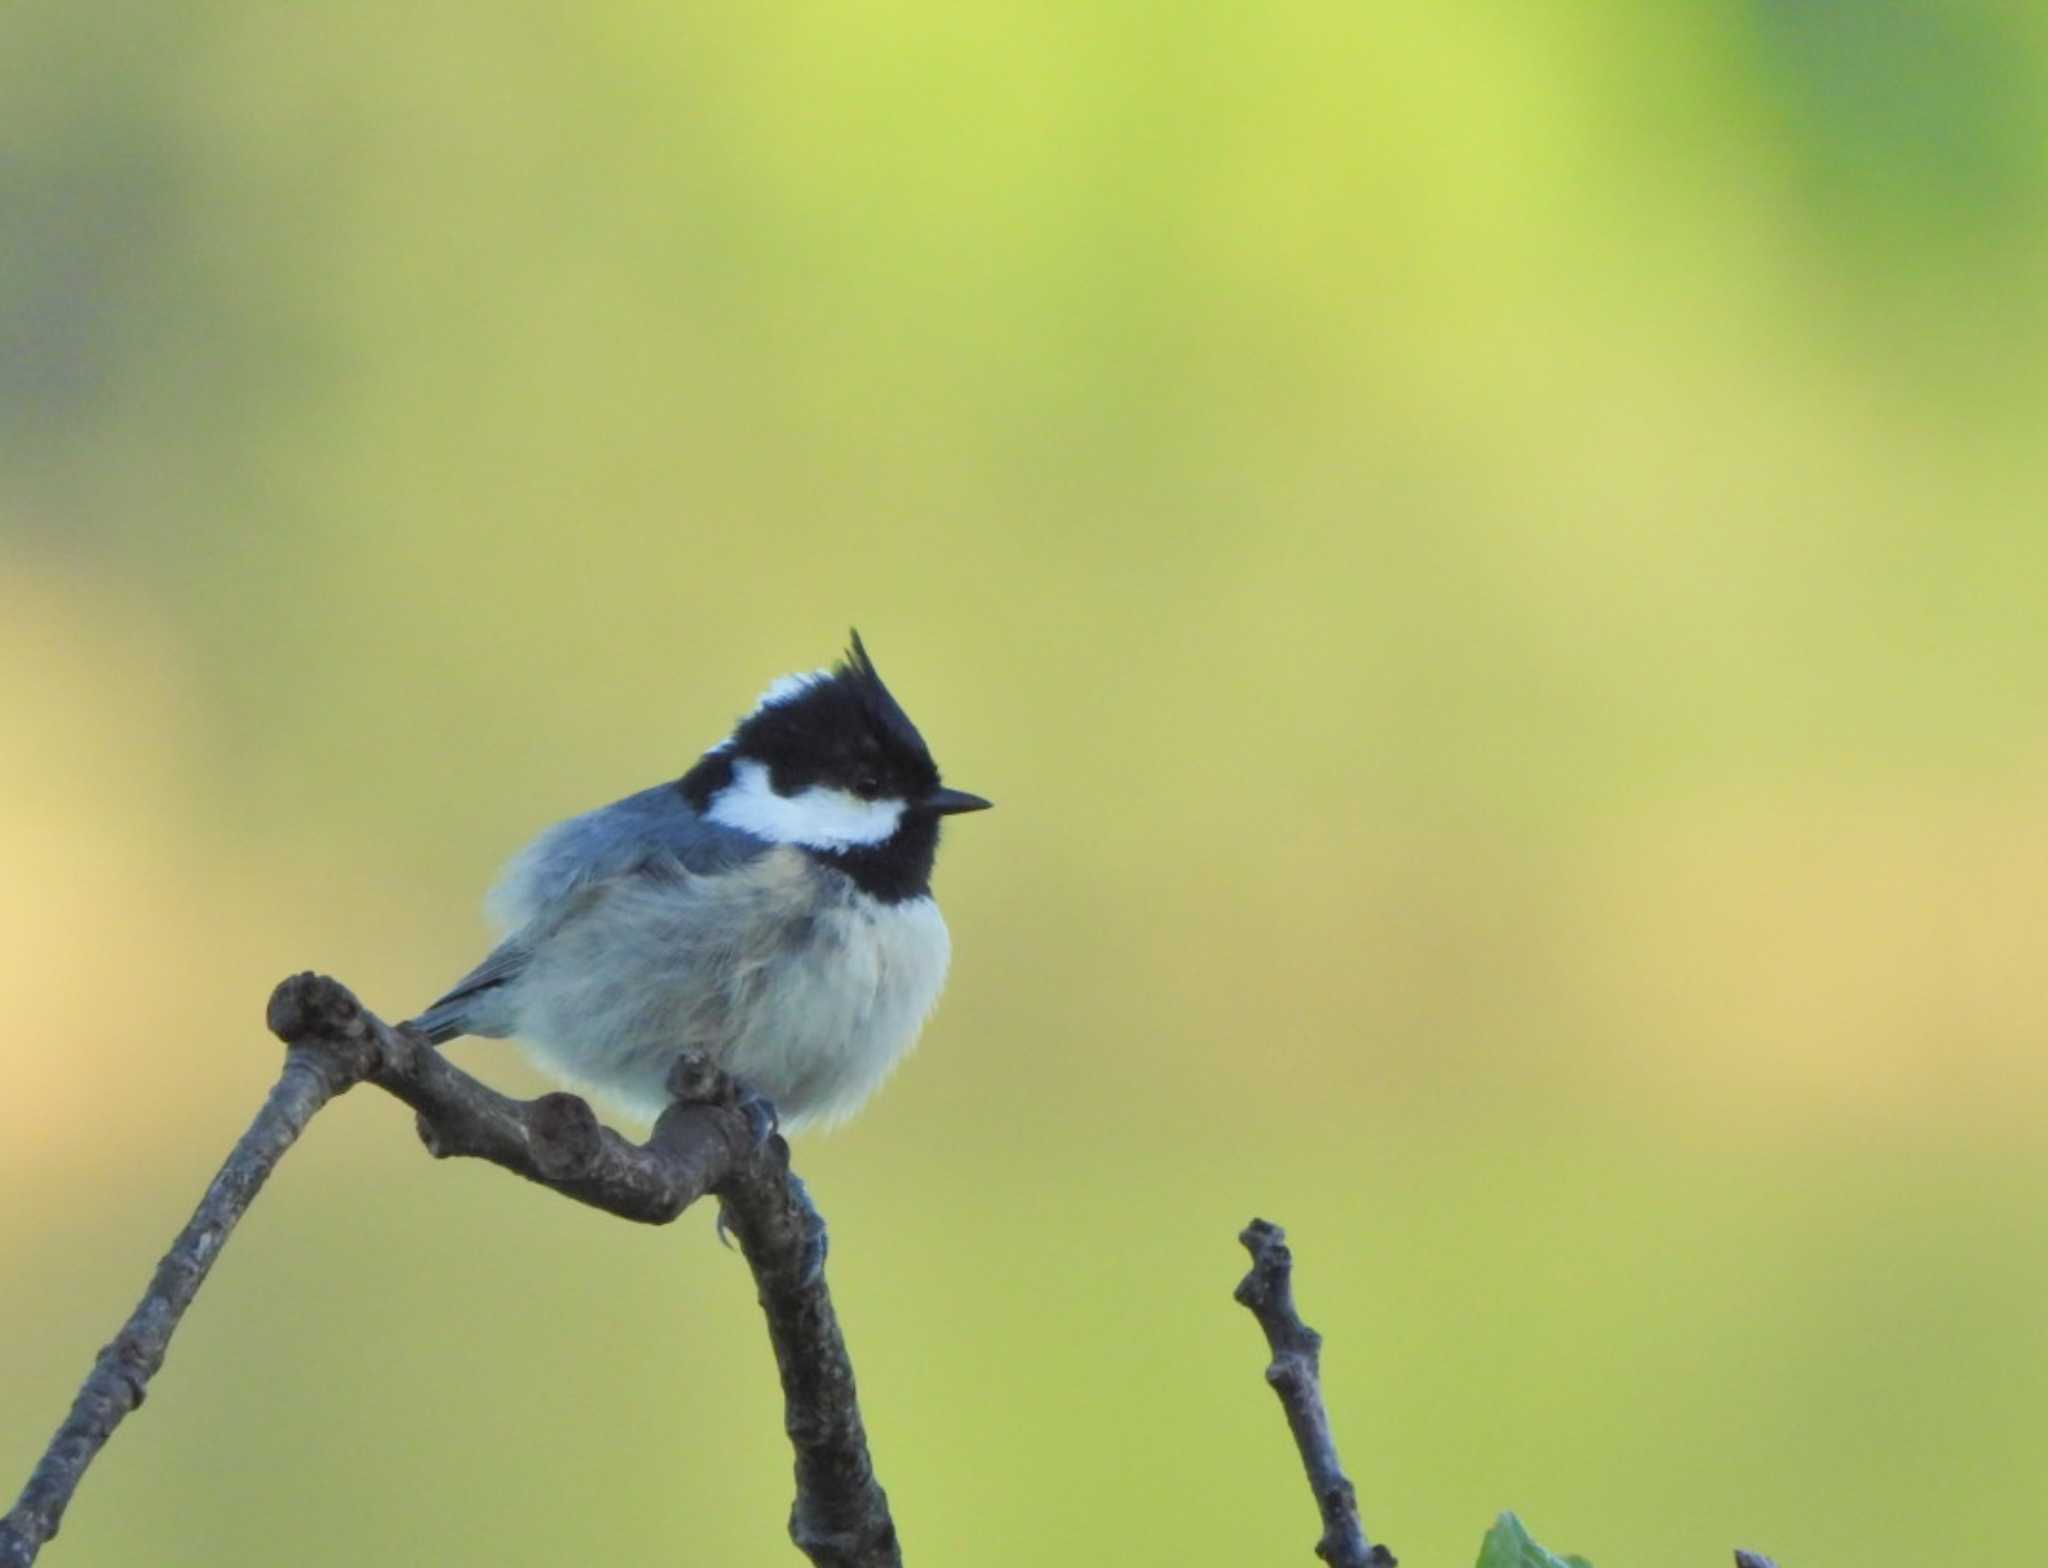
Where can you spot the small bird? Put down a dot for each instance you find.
(771, 909)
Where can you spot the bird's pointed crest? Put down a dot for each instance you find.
(857, 669)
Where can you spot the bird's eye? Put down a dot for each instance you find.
(868, 785)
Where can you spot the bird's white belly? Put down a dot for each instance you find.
(811, 1001)
(837, 1015)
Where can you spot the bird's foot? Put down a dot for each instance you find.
(816, 1242)
(696, 1079)
(759, 1111)
(763, 1123)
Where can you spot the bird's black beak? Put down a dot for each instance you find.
(945, 802)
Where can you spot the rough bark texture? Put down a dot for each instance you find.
(708, 1142)
(1295, 1374)
(841, 1515)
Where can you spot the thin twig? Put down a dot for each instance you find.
(705, 1143)
(312, 1076)
(1295, 1374)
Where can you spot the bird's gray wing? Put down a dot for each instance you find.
(655, 833)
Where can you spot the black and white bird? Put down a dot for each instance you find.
(772, 909)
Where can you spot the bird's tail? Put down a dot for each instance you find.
(467, 1008)
(440, 1023)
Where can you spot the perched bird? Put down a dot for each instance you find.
(772, 909)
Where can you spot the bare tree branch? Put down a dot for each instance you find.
(1295, 1374)
(705, 1143)
(121, 1374)
(841, 1515)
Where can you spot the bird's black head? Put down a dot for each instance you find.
(831, 762)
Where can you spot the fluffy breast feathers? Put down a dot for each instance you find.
(775, 966)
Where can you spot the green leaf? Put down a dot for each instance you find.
(1508, 1545)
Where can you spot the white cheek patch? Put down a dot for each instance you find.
(817, 818)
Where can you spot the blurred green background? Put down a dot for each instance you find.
(1493, 558)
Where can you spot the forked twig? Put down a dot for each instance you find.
(704, 1143)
